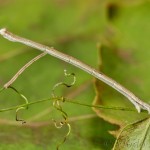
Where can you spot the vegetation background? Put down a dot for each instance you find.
(110, 35)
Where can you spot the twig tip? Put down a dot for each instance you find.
(2, 31)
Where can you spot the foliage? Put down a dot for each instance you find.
(74, 27)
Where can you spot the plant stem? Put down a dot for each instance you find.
(101, 107)
(138, 103)
(24, 105)
(69, 101)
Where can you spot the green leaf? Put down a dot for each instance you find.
(72, 27)
(134, 136)
(125, 58)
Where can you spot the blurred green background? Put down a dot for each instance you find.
(75, 27)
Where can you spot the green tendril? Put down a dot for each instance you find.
(21, 95)
(20, 108)
(57, 106)
(64, 84)
(2, 89)
(17, 118)
(65, 137)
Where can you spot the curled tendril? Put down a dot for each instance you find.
(20, 108)
(65, 84)
(57, 105)
(58, 125)
(65, 137)
(17, 118)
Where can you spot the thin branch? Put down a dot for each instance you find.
(23, 69)
(138, 103)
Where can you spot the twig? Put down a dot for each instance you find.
(23, 69)
(138, 103)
